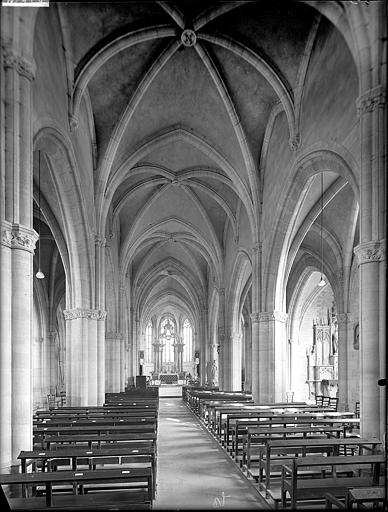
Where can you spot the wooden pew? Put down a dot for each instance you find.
(256, 414)
(91, 440)
(103, 414)
(316, 488)
(139, 478)
(358, 496)
(251, 453)
(279, 451)
(138, 453)
(79, 421)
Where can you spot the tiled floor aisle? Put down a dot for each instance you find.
(193, 471)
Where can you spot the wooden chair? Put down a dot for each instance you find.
(333, 403)
(51, 401)
(325, 401)
(319, 400)
(289, 396)
(63, 398)
(357, 410)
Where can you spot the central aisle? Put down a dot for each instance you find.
(193, 470)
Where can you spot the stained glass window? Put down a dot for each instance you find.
(167, 337)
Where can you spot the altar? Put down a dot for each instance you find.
(168, 378)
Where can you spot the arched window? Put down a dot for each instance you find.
(148, 351)
(188, 341)
(167, 336)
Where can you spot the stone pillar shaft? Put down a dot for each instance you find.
(5, 356)
(81, 355)
(223, 355)
(371, 108)
(17, 248)
(343, 337)
(272, 357)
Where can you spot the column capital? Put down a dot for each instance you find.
(370, 252)
(17, 236)
(371, 99)
(100, 241)
(92, 314)
(13, 59)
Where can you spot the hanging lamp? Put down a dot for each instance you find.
(39, 274)
(322, 282)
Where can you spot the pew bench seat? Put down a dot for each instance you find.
(113, 500)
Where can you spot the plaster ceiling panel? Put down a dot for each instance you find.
(193, 8)
(339, 215)
(312, 244)
(147, 259)
(310, 196)
(131, 209)
(214, 211)
(277, 29)
(178, 155)
(171, 284)
(171, 207)
(114, 84)
(182, 96)
(251, 94)
(89, 22)
(222, 189)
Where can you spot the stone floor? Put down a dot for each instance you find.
(194, 472)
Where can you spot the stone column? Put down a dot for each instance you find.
(222, 353)
(113, 353)
(256, 288)
(101, 355)
(272, 355)
(343, 332)
(371, 109)
(52, 361)
(158, 353)
(100, 250)
(255, 381)
(17, 248)
(5, 347)
(235, 367)
(371, 257)
(81, 355)
(248, 357)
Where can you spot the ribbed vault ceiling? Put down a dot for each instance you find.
(179, 129)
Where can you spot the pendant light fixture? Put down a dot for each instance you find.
(39, 274)
(322, 282)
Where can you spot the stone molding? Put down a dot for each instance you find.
(370, 252)
(112, 335)
(269, 316)
(16, 236)
(371, 100)
(12, 59)
(91, 314)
